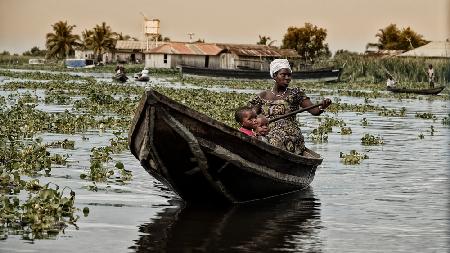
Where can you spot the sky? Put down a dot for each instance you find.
(350, 24)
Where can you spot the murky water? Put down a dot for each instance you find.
(395, 201)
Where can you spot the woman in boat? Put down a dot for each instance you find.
(284, 133)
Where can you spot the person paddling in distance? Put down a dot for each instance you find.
(430, 74)
(279, 100)
(246, 117)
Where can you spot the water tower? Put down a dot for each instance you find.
(151, 30)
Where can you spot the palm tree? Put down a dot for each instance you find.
(265, 40)
(61, 43)
(101, 39)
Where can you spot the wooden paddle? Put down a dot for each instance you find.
(294, 112)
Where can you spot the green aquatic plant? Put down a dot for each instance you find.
(45, 213)
(346, 130)
(369, 140)
(426, 115)
(364, 122)
(65, 144)
(352, 158)
(392, 112)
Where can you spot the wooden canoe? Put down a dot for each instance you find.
(204, 160)
(429, 91)
(120, 77)
(331, 74)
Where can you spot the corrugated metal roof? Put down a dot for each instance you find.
(258, 50)
(186, 48)
(131, 44)
(433, 49)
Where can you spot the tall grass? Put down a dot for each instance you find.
(360, 68)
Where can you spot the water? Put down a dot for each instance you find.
(395, 201)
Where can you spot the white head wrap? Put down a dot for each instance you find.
(278, 64)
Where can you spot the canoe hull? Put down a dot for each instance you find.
(323, 74)
(119, 77)
(430, 91)
(203, 160)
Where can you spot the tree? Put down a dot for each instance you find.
(100, 39)
(35, 51)
(309, 41)
(61, 43)
(160, 38)
(392, 38)
(265, 40)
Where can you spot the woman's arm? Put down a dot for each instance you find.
(318, 110)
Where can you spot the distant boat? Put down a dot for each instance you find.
(205, 161)
(36, 61)
(79, 63)
(120, 77)
(331, 74)
(429, 91)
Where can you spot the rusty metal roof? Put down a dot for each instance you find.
(258, 50)
(131, 45)
(186, 48)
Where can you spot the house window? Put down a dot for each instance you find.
(165, 58)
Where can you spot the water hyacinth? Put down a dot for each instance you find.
(44, 214)
(352, 158)
(369, 140)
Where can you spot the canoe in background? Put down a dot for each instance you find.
(321, 74)
(429, 91)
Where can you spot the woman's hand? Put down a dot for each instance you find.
(325, 103)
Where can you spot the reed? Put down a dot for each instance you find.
(360, 68)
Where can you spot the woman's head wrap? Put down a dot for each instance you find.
(278, 64)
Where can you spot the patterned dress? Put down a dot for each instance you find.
(284, 133)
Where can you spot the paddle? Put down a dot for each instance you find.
(294, 112)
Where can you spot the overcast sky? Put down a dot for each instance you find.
(350, 24)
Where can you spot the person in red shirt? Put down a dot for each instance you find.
(246, 117)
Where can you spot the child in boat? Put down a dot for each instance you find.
(262, 127)
(246, 117)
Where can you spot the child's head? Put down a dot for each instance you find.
(246, 117)
(262, 127)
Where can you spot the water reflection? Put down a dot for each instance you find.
(288, 223)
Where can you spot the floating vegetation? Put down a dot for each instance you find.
(393, 112)
(370, 140)
(58, 98)
(364, 122)
(65, 144)
(44, 214)
(352, 158)
(346, 130)
(320, 134)
(426, 115)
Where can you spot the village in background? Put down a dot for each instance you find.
(304, 47)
